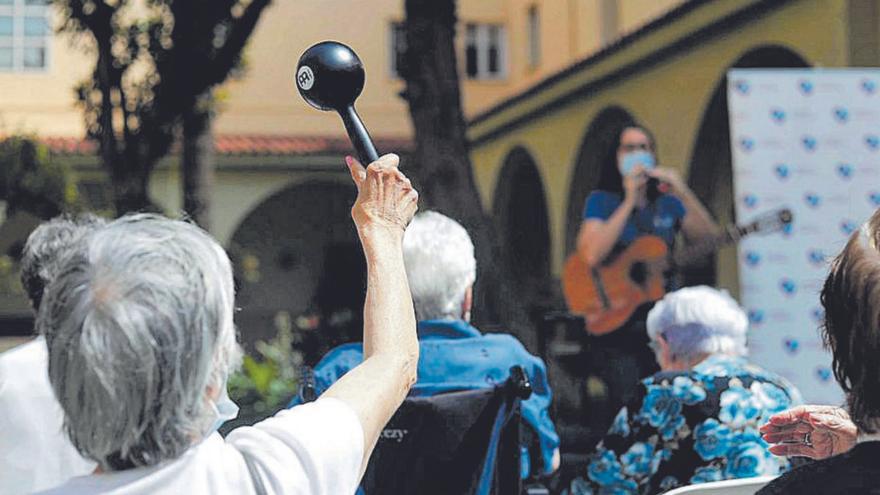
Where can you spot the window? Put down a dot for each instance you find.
(397, 40)
(534, 33)
(24, 34)
(485, 53)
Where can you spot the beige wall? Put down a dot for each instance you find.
(265, 101)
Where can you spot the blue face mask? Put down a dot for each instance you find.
(633, 158)
(223, 409)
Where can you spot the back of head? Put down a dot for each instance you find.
(45, 247)
(440, 265)
(699, 320)
(138, 323)
(851, 299)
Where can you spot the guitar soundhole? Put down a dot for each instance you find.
(638, 273)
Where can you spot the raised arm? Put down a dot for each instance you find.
(385, 204)
(597, 237)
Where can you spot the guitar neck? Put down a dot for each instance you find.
(731, 235)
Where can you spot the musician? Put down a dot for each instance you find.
(635, 198)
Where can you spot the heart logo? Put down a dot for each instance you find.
(750, 200)
(818, 314)
(812, 199)
(816, 257)
(777, 115)
(787, 286)
(782, 171)
(872, 142)
(742, 86)
(869, 86)
(824, 374)
(809, 143)
(806, 87)
(874, 198)
(747, 144)
(787, 229)
(756, 316)
(847, 227)
(752, 258)
(791, 345)
(844, 170)
(841, 114)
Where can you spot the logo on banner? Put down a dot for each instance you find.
(845, 170)
(791, 345)
(874, 198)
(818, 314)
(869, 86)
(756, 316)
(806, 87)
(741, 86)
(782, 171)
(841, 114)
(777, 115)
(848, 227)
(787, 286)
(747, 144)
(816, 257)
(809, 143)
(788, 229)
(824, 374)
(872, 141)
(812, 200)
(752, 259)
(750, 201)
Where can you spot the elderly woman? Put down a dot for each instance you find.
(139, 325)
(851, 299)
(441, 269)
(697, 419)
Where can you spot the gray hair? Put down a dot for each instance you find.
(440, 265)
(45, 247)
(699, 320)
(139, 325)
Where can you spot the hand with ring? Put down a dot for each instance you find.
(816, 432)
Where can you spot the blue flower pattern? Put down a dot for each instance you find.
(690, 427)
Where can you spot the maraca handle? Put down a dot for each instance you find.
(359, 136)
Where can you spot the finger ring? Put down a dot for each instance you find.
(807, 440)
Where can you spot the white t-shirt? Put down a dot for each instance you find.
(313, 449)
(35, 453)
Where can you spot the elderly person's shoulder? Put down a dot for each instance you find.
(853, 472)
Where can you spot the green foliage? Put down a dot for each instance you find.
(31, 181)
(267, 382)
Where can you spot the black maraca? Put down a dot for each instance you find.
(330, 76)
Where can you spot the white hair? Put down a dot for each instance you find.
(440, 265)
(139, 324)
(699, 320)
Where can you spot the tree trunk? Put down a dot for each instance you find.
(441, 164)
(197, 164)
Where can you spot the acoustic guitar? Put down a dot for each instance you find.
(608, 295)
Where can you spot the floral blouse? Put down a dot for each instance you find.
(690, 427)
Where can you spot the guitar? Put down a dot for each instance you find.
(608, 295)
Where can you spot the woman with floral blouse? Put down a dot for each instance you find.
(697, 419)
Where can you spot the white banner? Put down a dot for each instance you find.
(807, 140)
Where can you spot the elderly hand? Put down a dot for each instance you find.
(386, 200)
(816, 432)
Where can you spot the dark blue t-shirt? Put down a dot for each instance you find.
(661, 219)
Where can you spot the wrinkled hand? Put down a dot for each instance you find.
(386, 200)
(830, 428)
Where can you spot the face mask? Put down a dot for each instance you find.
(223, 410)
(633, 158)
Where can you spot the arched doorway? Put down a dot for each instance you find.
(298, 262)
(711, 171)
(586, 171)
(520, 212)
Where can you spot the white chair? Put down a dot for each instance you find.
(742, 486)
